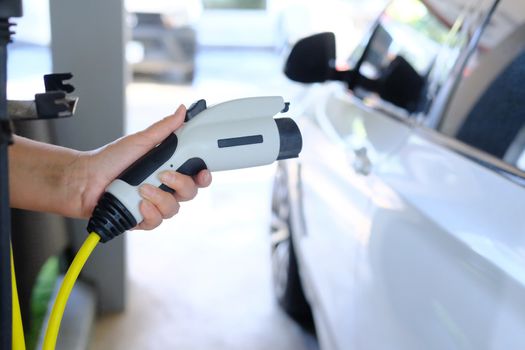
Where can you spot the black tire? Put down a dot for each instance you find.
(287, 284)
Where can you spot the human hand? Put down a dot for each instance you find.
(104, 165)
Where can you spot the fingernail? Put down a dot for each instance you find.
(179, 109)
(167, 176)
(207, 176)
(146, 191)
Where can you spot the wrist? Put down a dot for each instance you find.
(90, 175)
(76, 184)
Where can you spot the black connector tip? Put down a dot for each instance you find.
(110, 218)
(291, 141)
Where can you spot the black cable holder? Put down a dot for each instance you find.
(52, 104)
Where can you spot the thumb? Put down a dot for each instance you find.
(156, 133)
(119, 154)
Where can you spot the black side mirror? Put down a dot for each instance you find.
(401, 84)
(312, 59)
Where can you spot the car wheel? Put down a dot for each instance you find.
(286, 280)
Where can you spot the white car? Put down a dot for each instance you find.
(401, 224)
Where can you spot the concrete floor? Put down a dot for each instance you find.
(202, 280)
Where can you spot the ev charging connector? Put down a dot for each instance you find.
(235, 134)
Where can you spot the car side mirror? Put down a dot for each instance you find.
(401, 84)
(312, 59)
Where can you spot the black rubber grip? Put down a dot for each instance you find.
(195, 109)
(167, 189)
(150, 162)
(190, 167)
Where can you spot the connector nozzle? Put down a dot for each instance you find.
(291, 141)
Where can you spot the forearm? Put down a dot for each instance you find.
(55, 179)
(44, 177)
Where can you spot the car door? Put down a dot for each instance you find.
(445, 253)
(342, 189)
(349, 142)
(348, 136)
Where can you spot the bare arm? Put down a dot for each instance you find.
(40, 177)
(55, 179)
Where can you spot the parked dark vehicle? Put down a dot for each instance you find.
(400, 226)
(163, 38)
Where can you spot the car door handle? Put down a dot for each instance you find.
(361, 163)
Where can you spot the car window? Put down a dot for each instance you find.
(487, 110)
(496, 122)
(415, 38)
(406, 28)
(498, 117)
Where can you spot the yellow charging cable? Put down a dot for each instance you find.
(53, 325)
(18, 341)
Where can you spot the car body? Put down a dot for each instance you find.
(401, 225)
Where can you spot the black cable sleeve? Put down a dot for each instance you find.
(110, 218)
